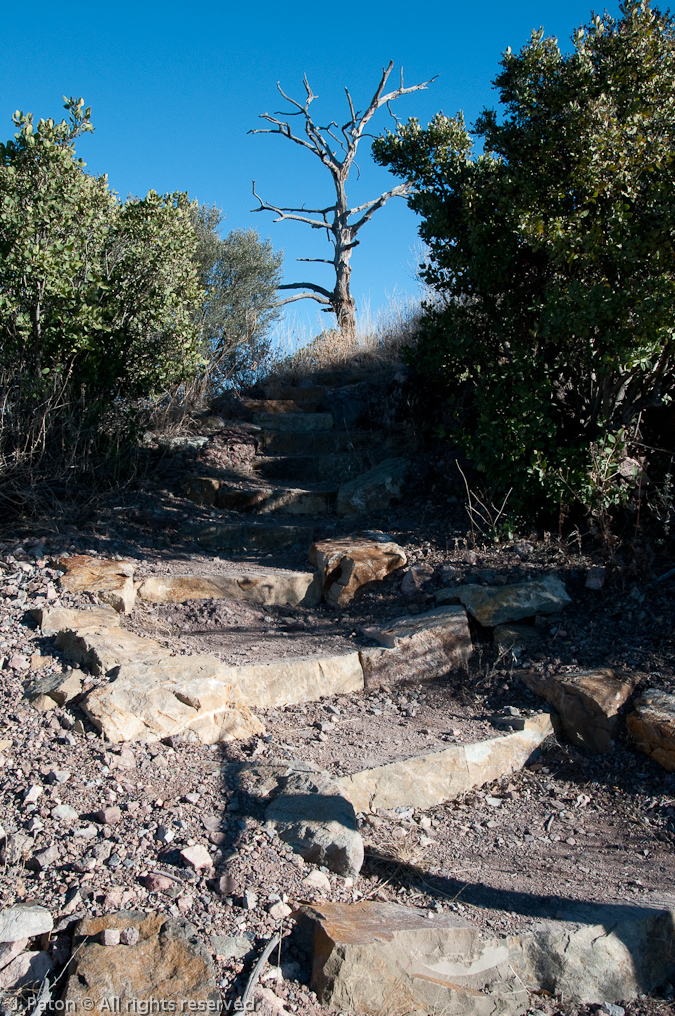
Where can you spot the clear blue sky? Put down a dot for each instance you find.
(174, 88)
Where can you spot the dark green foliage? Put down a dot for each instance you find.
(240, 274)
(552, 254)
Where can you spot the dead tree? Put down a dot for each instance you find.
(336, 148)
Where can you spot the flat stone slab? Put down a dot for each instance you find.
(111, 581)
(384, 957)
(346, 565)
(427, 780)
(258, 498)
(24, 922)
(588, 703)
(169, 965)
(192, 695)
(494, 605)
(294, 422)
(53, 690)
(283, 588)
(422, 646)
(235, 537)
(302, 679)
(374, 489)
(652, 726)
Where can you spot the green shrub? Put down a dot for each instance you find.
(552, 255)
(98, 298)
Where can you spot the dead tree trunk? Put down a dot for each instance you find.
(336, 148)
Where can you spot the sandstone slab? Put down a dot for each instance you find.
(652, 726)
(283, 588)
(30, 968)
(111, 581)
(266, 500)
(313, 814)
(587, 703)
(426, 780)
(375, 489)
(422, 646)
(346, 565)
(384, 957)
(56, 619)
(298, 679)
(169, 963)
(493, 605)
(201, 489)
(103, 650)
(193, 695)
(370, 957)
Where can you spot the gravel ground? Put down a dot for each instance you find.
(570, 827)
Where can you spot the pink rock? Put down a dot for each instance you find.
(129, 936)
(157, 883)
(196, 857)
(109, 816)
(110, 936)
(18, 662)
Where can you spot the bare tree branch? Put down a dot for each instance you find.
(336, 219)
(305, 296)
(307, 285)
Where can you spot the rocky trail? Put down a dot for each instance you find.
(279, 693)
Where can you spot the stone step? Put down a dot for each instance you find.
(249, 536)
(277, 406)
(259, 498)
(295, 422)
(290, 500)
(309, 468)
(316, 393)
(320, 443)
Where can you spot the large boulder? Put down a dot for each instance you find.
(374, 489)
(298, 679)
(111, 581)
(55, 619)
(423, 646)
(168, 965)
(588, 703)
(383, 957)
(493, 605)
(312, 812)
(652, 725)
(345, 565)
(371, 957)
(104, 649)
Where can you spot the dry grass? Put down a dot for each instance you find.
(376, 346)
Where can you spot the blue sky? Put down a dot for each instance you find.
(174, 89)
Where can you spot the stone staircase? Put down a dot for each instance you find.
(310, 441)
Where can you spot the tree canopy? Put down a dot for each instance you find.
(551, 251)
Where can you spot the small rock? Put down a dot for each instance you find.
(192, 798)
(44, 858)
(129, 936)
(32, 794)
(157, 883)
(227, 885)
(317, 880)
(18, 662)
(611, 1009)
(416, 578)
(109, 816)
(278, 911)
(111, 936)
(58, 776)
(9, 950)
(231, 946)
(196, 857)
(164, 834)
(250, 900)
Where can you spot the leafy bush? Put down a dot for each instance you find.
(98, 298)
(552, 254)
